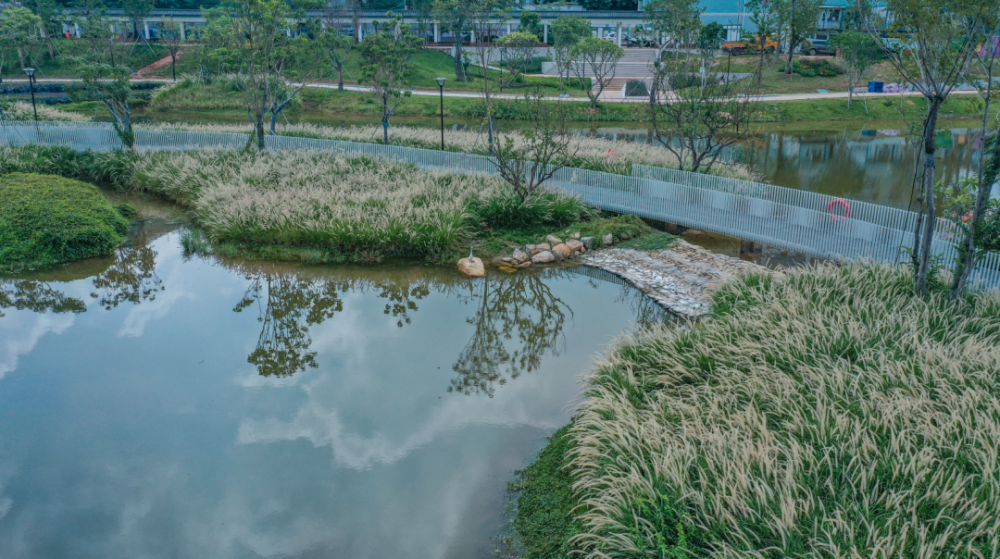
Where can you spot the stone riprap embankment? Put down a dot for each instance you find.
(680, 278)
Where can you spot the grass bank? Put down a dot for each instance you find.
(825, 412)
(326, 207)
(47, 219)
(216, 98)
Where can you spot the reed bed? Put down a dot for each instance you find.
(595, 154)
(20, 110)
(313, 198)
(825, 413)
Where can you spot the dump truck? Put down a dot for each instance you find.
(737, 48)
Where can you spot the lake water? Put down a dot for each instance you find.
(155, 404)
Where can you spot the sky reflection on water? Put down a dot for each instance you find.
(156, 404)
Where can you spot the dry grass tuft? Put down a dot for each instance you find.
(828, 413)
(592, 153)
(19, 110)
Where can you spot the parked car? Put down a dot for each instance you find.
(820, 46)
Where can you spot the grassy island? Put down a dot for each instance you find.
(47, 219)
(819, 413)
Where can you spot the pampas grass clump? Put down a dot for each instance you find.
(824, 413)
(20, 110)
(595, 154)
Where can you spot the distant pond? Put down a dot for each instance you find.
(157, 404)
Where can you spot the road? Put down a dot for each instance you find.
(476, 95)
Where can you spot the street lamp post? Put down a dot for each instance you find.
(31, 86)
(441, 90)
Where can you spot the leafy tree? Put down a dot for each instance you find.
(488, 17)
(337, 48)
(170, 36)
(385, 57)
(109, 85)
(798, 20)
(677, 19)
(137, 11)
(620, 5)
(519, 49)
(600, 57)
(939, 44)
(710, 35)
(19, 27)
(764, 15)
(858, 52)
(566, 32)
(49, 14)
(217, 47)
(982, 231)
(268, 59)
(530, 22)
(454, 15)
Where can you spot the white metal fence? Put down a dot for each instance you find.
(805, 222)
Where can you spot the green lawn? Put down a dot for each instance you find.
(425, 67)
(139, 55)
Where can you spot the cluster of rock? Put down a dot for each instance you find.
(680, 278)
(552, 251)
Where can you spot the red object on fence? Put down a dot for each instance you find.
(842, 203)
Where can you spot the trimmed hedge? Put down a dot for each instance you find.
(46, 219)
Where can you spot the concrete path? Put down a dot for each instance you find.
(477, 95)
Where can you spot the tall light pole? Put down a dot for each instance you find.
(31, 86)
(441, 90)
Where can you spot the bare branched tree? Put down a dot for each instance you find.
(698, 117)
(530, 157)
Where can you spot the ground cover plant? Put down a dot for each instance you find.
(47, 219)
(823, 412)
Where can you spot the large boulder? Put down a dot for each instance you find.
(520, 256)
(472, 267)
(574, 245)
(562, 249)
(608, 240)
(588, 243)
(543, 257)
(553, 240)
(544, 246)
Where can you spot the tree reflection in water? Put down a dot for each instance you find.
(36, 296)
(519, 309)
(287, 307)
(289, 303)
(132, 277)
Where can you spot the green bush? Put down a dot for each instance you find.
(811, 68)
(46, 219)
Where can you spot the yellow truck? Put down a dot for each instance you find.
(737, 48)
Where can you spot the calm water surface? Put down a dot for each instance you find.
(155, 404)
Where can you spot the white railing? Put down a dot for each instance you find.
(806, 222)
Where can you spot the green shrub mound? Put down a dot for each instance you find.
(820, 413)
(47, 219)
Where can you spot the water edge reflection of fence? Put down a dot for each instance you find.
(805, 222)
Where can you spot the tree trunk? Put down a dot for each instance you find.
(926, 236)
(987, 176)
(459, 69)
(340, 75)
(173, 65)
(788, 64)
(760, 64)
(385, 118)
(20, 56)
(258, 126)
(274, 122)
